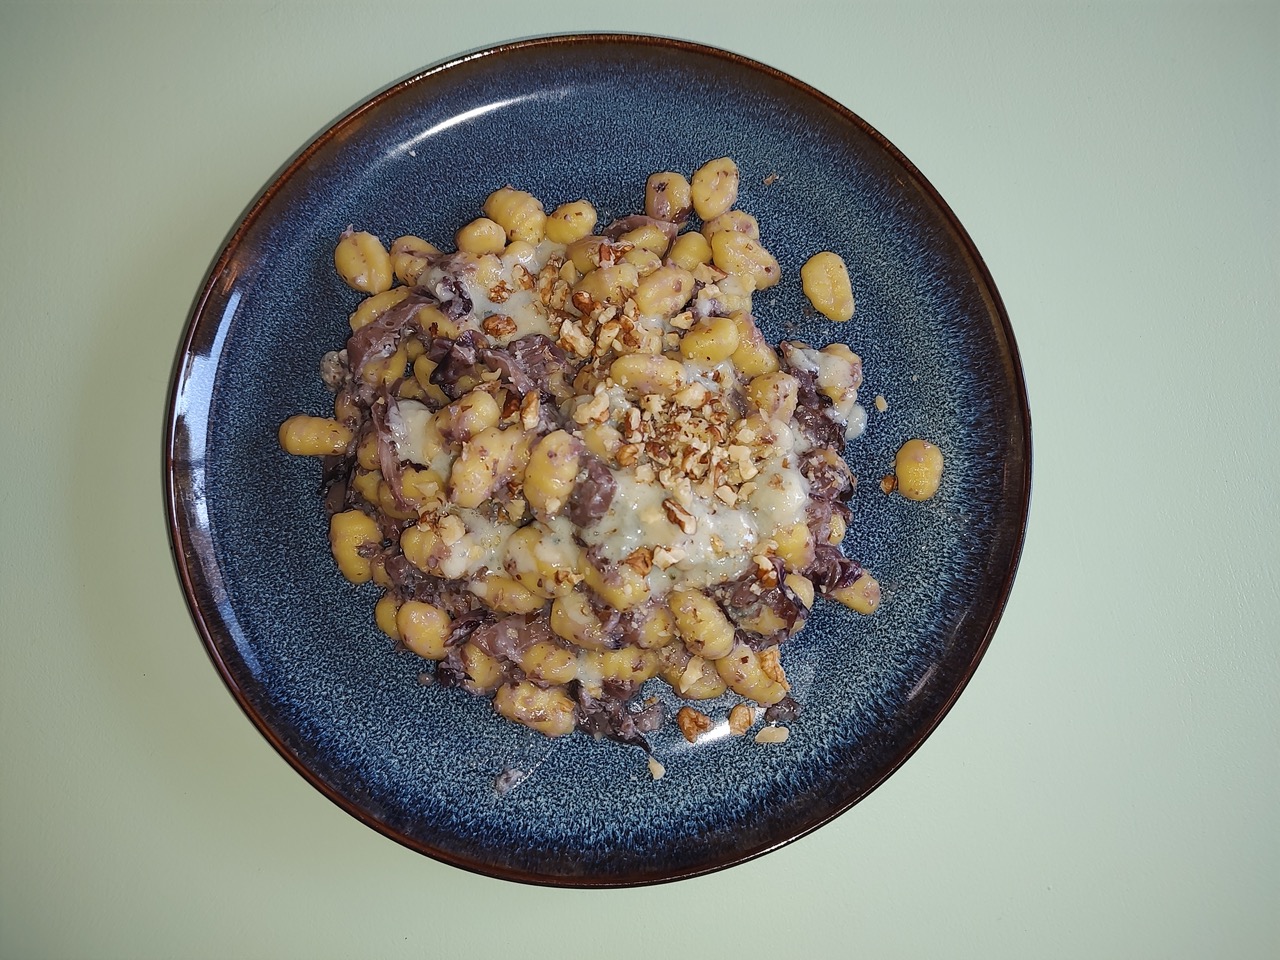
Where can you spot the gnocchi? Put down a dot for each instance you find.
(573, 462)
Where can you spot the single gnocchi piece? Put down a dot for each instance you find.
(483, 672)
(744, 256)
(468, 416)
(574, 619)
(657, 629)
(705, 629)
(549, 710)
(744, 672)
(548, 564)
(410, 258)
(375, 306)
(506, 595)
(481, 236)
(519, 213)
(570, 221)
(424, 629)
(689, 250)
(862, 596)
(548, 662)
(621, 665)
(620, 585)
(642, 373)
(714, 188)
(552, 472)
(754, 356)
(611, 284)
(491, 458)
(668, 196)
(825, 280)
(735, 221)
(664, 292)
(775, 395)
(711, 340)
(354, 537)
(693, 677)
(918, 467)
(384, 615)
(305, 436)
(647, 237)
(363, 262)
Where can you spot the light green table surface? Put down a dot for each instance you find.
(1108, 784)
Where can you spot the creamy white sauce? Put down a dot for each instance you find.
(724, 538)
(408, 421)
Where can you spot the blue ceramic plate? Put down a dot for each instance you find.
(592, 116)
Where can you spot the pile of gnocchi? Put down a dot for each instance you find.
(573, 464)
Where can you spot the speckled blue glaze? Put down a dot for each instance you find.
(567, 118)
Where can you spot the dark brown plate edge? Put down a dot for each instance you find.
(179, 541)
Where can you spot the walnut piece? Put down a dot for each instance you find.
(498, 325)
(692, 723)
(681, 517)
(771, 667)
(741, 717)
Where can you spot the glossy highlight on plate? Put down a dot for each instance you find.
(565, 117)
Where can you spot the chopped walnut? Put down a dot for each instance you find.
(771, 667)
(498, 325)
(640, 560)
(766, 572)
(664, 557)
(606, 335)
(726, 495)
(741, 717)
(522, 277)
(692, 723)
(889, 483)
(574, 340)
(681, 517)
(530, 409)
(500, 292)
(582, 301)
(596, 408)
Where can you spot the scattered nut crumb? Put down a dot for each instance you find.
(771, 179)
(773, 734)
(656, 770)
(889, 483)
(881, 403)
(741, 717)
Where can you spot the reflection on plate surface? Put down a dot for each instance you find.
(564, 118)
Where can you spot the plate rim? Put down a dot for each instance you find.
(176, 495)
